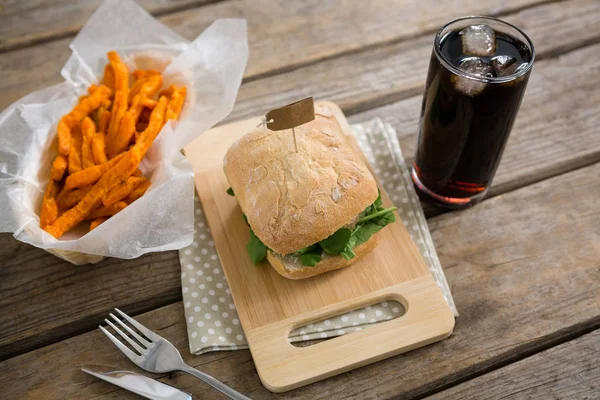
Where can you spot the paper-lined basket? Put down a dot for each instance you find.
(211, 67)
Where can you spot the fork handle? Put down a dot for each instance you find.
(221, 387)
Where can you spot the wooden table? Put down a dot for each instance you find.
(524, 265)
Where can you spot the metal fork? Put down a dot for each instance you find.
(157, 354)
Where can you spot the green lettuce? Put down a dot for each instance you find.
(342, 242)
(370, 221)
(256, 248)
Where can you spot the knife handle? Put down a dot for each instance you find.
(221, 387)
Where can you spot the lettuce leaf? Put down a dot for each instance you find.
(370, 221)
(311, 258)
(256, 248)
(334, 244)
(342, 242)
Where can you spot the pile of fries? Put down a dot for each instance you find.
(101, 143)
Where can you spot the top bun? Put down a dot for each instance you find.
(293, 200)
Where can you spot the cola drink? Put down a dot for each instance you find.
(477, 77)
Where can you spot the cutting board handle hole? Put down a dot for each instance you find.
(346, 322)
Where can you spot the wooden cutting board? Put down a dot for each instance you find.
(271, 306)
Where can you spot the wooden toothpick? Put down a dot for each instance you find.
(291, 116)
(295, 142)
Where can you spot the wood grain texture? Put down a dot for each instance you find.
(23, 23)
(509, 261)
(383, 75)
(271, 306)
(568, 371)
(95, 348)
(283, 367)
(396, 260)
(45, 299)
(283, 35)
(316, 30)
(554, 132)
(506, 286)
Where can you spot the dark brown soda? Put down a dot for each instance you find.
(462, 134)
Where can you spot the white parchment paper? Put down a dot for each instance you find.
(211, 67)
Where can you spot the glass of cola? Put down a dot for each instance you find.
(477, 76)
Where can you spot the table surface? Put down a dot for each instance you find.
(523, 266)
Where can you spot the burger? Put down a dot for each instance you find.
(310, 202)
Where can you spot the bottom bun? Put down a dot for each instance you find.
(291, 267)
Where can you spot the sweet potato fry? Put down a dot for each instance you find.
(120, 72)
(135, 89)
(103, 119)
(94, 224)
(123, 190)
(99, 148)
(86, 125)
(168, 91)
(155, 124)
(90, 175)
(144, 73)
(148, 89)
(49, 212)
(137, 192)
(141, 77)
(88, 130)
(104, 211)
(149, 103)
(176, 103)
(109, 77)
(90, 103)
(142, 123)
(85, 177)
(58, 167)
(67, 198)
(64, 135)
(122, 170)
(118, 111)
(120, 142)
(96, 148)
(75, 154)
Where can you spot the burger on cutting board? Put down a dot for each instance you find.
(311, 203)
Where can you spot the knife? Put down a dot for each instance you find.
(136, 383)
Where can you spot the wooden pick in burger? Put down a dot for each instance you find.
(291, 116)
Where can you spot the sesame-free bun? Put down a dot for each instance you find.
(295, 199)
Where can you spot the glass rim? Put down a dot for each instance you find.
(459, 72)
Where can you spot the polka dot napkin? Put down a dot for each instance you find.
(212, 321)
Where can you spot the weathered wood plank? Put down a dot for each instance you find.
(45, 299)
(569, 371)
(315, 30)
(23, 23)
(554, 131)
(283, 35)
(551, 136)
(382, 75)
(510, 261)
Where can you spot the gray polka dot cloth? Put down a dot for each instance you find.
(211, 317)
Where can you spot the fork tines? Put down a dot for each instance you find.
(140, 344)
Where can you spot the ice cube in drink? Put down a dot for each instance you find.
(478, 40)
(477, 77)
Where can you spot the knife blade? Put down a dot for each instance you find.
(136, 383)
